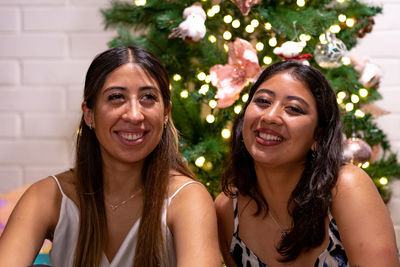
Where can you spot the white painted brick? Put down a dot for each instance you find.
(391, 125)
(31, 2)
(9, 19)
(379, 44)
(75, 98)
(54, 72)
(397, 233)
(388, 20)
(10, 125)
(395, 187)
(32, 100)
(34, 152)
(390, 68)
(9, 72)
(50, 125)
(394, 208)
(89, 45)
(10, 178)
(97, 3)
(36, 173)
(63, 19)
(33, 45)
(390, 100)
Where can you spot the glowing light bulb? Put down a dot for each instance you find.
(212, 103)
(342, 18)
(201, 76)
(249, 29)
(210, 13)
(350, 22)
(267, 60)
(341, 95)
(245, 97)
(210, 118)
(228, 19)
(272, 42)
(365, 165)
(204, 89)
(226, 47)
(335, 28)
(355, 98)
(208, 166)
(359, 113)
(227, 35)
(255, 23)
(140, 2)
(177, 77)
(349, 107)
(341, 1)
(237, 109)
(346, 60)
(339, 101)
(303, 37)
(226, 133)
(216, 8)
(236, 23)
(383, 181)
(208, 79)
(212, 39)
(259, 46)
(301, 3)
(363, 92)
(200, 161)
(322, 39)
(184, 94)
(268, 26)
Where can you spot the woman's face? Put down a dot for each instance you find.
(128, 116)
(280, 121)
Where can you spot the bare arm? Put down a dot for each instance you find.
(192, 220)
(363, 220)
(224, 208)
(29, 224)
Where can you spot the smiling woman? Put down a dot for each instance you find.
(130, 200)
(285, 184)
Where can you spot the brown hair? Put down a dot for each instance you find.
(91, 242)
(310, 200)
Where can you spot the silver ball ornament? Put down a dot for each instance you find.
(356, 151)
(329, 54)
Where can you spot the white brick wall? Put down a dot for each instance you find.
(45, 49)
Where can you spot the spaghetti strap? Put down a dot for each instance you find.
(235, 215)
(184, 185)
(58, 184)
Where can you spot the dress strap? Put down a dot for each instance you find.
(58, 184)
(182, 186)
(235, 215)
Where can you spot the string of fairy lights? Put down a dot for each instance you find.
(350, 102)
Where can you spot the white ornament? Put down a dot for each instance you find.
(290, 49)
(192, 28)
(370, 74)
(329, 54)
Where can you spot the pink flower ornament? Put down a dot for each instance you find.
(230, 79)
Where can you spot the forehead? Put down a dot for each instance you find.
(129, 74)
(285, 84)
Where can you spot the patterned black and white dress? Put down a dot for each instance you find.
(333, 256)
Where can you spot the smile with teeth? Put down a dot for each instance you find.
(269, 137)
(131, 136)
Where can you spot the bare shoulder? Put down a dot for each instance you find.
(184, 184)
(223, 204)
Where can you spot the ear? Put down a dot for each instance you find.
(167, 111)
(88, 116)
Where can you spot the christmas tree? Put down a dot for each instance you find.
(213, 50)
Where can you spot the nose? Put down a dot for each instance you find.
(273, 115)
(133, 113)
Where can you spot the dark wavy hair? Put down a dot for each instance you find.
(150, 250)
(310, 200)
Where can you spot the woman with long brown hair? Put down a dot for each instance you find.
(288, 199)
(130, 200)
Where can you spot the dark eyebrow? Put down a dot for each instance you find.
(143, 88)
(290, 97)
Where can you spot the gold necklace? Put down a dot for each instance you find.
(283, 231)
(116, 206)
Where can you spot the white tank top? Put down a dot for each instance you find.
(65, 237)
